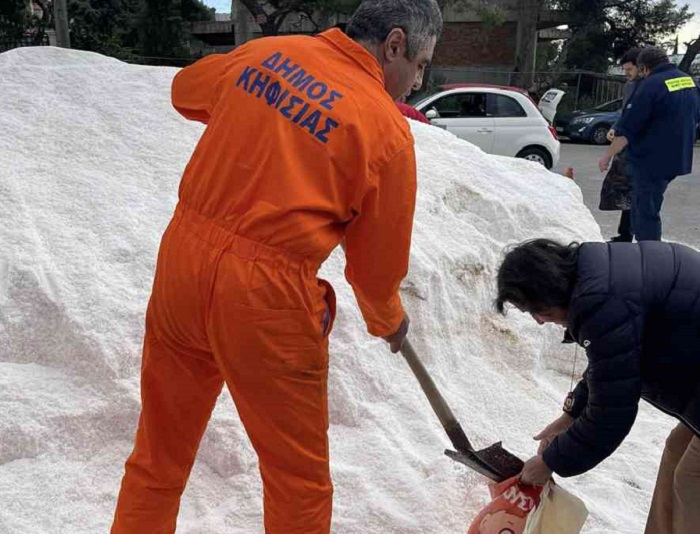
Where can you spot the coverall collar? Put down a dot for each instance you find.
(356, 51)
(662, 68)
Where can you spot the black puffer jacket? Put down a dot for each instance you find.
(636, 310)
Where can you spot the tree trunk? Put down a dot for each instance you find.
(528, 17)
(691, 52)
(44, 22)
(265, 21)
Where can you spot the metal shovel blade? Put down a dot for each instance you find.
(493, 462)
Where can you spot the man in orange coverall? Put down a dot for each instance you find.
(304, 147)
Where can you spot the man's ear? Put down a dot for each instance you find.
(395, 45)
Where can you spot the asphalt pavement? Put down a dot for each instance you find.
(681, 209)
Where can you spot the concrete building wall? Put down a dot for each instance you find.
(466, 41)
(471, 44)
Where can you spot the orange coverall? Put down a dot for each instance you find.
(303, 147)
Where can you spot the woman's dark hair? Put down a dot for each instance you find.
(537, 275)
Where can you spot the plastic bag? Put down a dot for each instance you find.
(508, 510)
(616, 192)
(559, 512)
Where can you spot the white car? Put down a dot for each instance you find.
(499, 120)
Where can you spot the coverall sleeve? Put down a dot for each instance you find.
(194, 87)
(637, 115)
(378, 242)
(612, 333)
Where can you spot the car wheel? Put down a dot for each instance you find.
(536, 154)
(599, 135)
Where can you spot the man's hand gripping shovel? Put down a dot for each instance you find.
(493, 462)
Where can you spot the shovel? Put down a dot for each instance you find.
(493, 462)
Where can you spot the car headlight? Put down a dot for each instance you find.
(583, 120)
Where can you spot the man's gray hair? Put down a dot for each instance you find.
(652, 57)
(419, 19)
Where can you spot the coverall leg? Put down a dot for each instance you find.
(178, 393)
(647, 199)
(180, 383)
(624, 229)
(236, 309)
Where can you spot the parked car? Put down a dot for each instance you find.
(590, 125)
(498, 119)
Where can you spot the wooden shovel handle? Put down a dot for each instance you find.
(440, 406)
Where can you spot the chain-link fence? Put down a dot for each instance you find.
(160, 61)
(13, 35)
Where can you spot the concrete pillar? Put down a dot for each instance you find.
(526, 41)
(61, 16)
(243, 23)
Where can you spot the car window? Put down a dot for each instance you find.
(461, 105)
(417, 98)
(504, 106)
(615, 105)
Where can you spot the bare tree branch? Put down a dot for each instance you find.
(690, 54)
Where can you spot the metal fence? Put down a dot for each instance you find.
(13, 35)
(583, 89)
(160, 61)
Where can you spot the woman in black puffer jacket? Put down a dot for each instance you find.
(635, 308)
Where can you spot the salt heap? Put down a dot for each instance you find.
(90, 158)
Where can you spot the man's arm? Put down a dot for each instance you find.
(617, 136)
(194, 87)
(614, 389)
(638, 112)
(627, 92)
(378, 243)
(618, 145)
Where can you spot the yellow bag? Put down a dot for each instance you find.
(559, 512)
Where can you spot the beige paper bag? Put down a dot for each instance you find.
(559, 512)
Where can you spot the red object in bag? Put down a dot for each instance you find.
(508, 510)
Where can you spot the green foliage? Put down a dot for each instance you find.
(547, 54)
(491, 16)
(14, 11)
(122, 28)
(604, 29)
(103, 26)
(13, 20)
(195, 10)
(161, 29)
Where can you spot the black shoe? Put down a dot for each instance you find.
(621, 239)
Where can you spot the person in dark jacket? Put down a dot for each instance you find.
(616, 193)
(658, 127)
(635, 308)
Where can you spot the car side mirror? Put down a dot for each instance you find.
(432, 114)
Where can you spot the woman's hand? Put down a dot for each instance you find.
(552, 430)
(535, 472)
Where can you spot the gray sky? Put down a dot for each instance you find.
(692, 29)
(224, 6)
